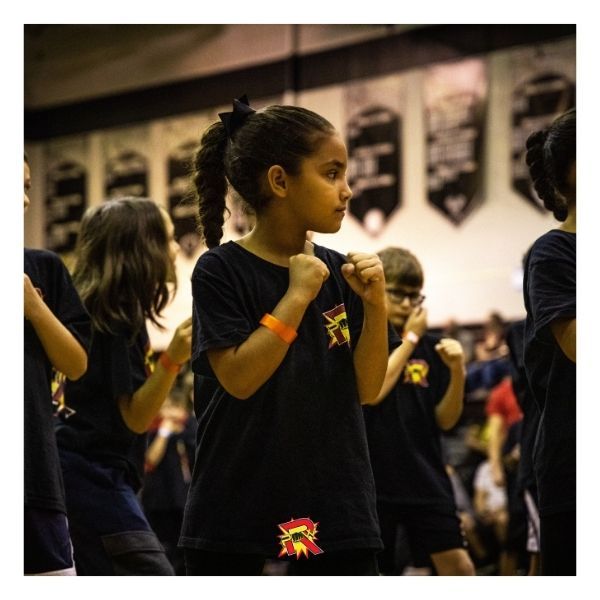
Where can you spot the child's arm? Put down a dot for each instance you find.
(243, 369)
(156, 450)
(565, 333)
(62, 348)
(139, 410)
(364, 274)
(450, 407)
(417, 323)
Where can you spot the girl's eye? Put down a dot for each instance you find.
(332, 175)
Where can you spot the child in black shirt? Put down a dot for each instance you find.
(549, 288)
(124, 262)
(56, 335)
(294, 337)
(422, 393)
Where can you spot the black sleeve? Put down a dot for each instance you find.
(551, 290)
(128, 361)
(67, 306)
(219, 319)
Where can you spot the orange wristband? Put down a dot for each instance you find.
(285, 332)
(168, 364)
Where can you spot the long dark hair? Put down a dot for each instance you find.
(276, 135)
(123, 264)
(550, 154)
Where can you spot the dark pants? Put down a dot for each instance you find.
(47, 546)
(109, 531)
(558, 543)
(348, 562)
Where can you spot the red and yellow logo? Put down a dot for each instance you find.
(298, 538)
(336, 324)
(416, 372)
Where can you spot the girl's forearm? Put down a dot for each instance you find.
(371, 355)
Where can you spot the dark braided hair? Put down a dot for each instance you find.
(276, 135)
(550, 154)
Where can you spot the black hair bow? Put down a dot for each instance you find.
(235, 119)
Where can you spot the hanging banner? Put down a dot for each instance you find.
(543, 88)
(455, 97)
(66, 193)
(125, 162)
(374, 111)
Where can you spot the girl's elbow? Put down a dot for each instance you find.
(446, 423)
(241, 392)
(77, 369)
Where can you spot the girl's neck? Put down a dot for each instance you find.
(569, 224)
(276, 245)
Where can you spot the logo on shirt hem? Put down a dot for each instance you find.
(298, 538)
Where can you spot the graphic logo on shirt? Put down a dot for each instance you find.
(416, 372)
(298, 538)
(336, 324)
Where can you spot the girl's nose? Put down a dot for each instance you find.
(346, 192)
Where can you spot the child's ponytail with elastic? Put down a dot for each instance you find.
(238, 152)
(211, 184)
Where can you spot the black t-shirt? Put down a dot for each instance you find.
(117, 366)
(296, 448)
(550, 293)
(43, 479)
(404, 438)
(531, 413)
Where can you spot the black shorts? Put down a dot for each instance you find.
(429, 529)
(47, 545)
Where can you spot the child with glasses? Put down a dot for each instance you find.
(421, 395)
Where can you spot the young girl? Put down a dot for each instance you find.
(124, 261)
(550, 339)
(56, 335)
(294, 337)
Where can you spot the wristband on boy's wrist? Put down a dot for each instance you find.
(411, 336)
(164, 432)
(283, 331)
(168, 364)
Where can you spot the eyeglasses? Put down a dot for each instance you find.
(398, 295)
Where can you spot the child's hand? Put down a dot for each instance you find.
(180, 348)
(31, 297)
(364, 274)
(417, 321)
(307, 275)
(173, 425)
(451, 353)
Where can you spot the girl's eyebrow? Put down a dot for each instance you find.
(336, 163)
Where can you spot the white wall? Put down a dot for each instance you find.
(469, 269)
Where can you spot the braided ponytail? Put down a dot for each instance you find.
(550, 154)
(211, 184)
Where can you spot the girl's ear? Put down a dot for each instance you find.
(277, 181)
